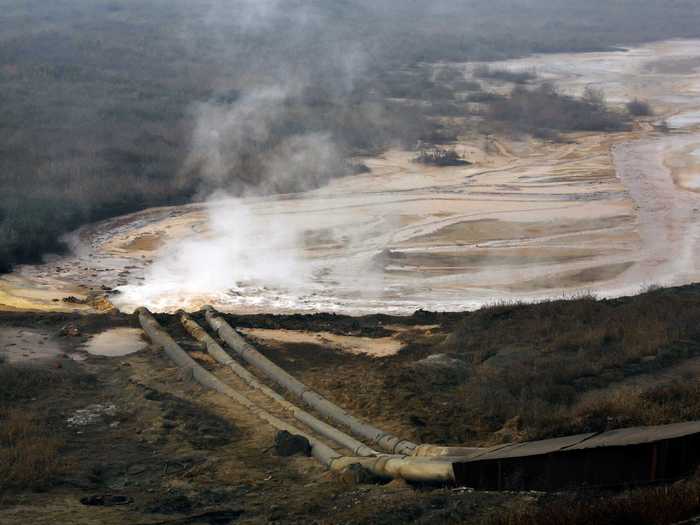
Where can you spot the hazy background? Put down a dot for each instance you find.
(110, 106)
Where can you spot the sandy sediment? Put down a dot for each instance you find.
(373, 346)
(607, 213)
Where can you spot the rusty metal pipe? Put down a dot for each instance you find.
(214, 349)
(384, 440)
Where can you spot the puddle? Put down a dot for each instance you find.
(692, 183)
(21, 345)
(116, 342)
(684, 120)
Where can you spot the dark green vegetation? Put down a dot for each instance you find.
(639, 108)
(97, 97)
(441, 157)
(517, 77)
(545, 113)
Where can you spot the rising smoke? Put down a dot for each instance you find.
(244, 148)
(284, 67)
(238, 147)
(236, 250)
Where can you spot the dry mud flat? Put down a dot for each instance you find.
(661, 175)
(401, 238)
(527, 220)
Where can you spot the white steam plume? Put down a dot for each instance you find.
(241, 248)
(233, 148)
(237, 250)
(244, 148)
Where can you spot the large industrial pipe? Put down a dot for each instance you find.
(382, 439)
(159, 337)
(453, 452)
(214, 349)
(411, 469)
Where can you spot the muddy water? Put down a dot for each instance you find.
(116, 342)
(25, 346)
(684, 120)
(528, 220)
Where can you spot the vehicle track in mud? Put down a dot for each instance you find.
(378, 241)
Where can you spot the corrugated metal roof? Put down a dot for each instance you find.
(533, 448)
(607, 459)
(638, 435)
(613, 438)
(480, 452)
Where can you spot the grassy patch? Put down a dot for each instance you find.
(628, 407)
(30, 445)
(639, 108)
(30, 452)
(20, 383)
(536, 362)
(536, 371)
(544, 111)
(29, 448)
(649, 506)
